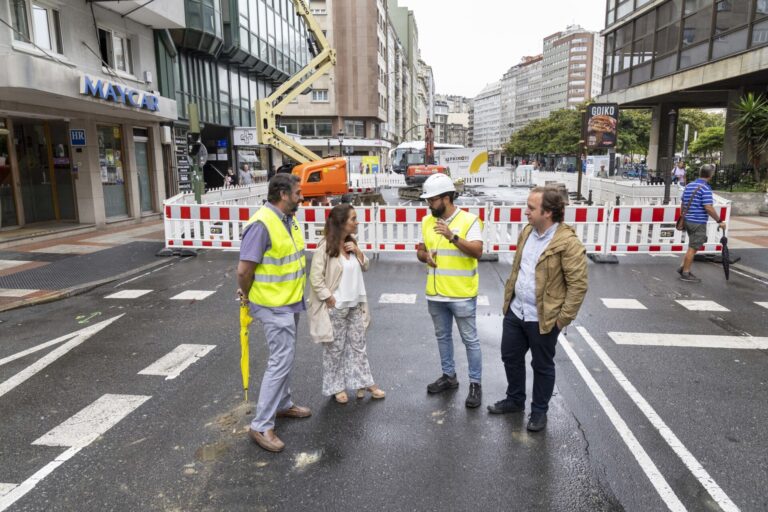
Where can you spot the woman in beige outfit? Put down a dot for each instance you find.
(338, 308)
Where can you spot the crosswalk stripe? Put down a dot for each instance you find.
(128, 294)
(482, 300)
(702, 305)
(6, 488)
(397, 298)
(689, 340)
(763, 304)
(179, 359)
(193, 295)
(623, 304)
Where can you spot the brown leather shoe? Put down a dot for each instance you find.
(267, 440)
(295, 411)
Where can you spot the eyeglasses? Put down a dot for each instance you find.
(431, 200)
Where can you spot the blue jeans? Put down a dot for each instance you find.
(464, 312)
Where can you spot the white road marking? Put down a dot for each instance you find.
(689, 340)
(397, 298)
(71, 249)
(87, 425)
(763, 304)
(128, 294)
(701, 305)
(76, 433)
(179, 359)
(641, 456)
(482, 300)
(6, 264)
(623, 304)
(6, 488)
(193, 295)
(78, 338)
(665, 255)
(693, 465)
(15, 292)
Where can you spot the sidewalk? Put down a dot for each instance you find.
(42, 271)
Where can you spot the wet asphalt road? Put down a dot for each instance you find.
(186, 448)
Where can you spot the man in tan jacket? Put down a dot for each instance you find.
(543, 294)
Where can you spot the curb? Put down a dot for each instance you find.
(79, 289)
(752, 272)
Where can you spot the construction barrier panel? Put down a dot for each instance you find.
(602, 229)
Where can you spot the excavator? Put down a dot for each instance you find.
(417, 174)
(322, 180)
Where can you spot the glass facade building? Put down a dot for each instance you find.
(646, 40)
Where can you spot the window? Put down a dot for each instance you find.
(43, 28)
(314, 177)
(115, 50)
(730, 15)
(320, 95)
(354, 128)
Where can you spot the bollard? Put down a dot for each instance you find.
(618, 200)
(589, 198)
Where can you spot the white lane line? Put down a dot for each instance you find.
(77, 338)
(641, 456)
(71, 249)
(397, 298)
(693, 465)
(15, 292)
(176, 361)
(6, 488)
(76, 433)
(689, 340)
(623, 304)
(128, 294)
(87, 425)
(482, 300)
(193, 295)
(763, 304)
(701, 305)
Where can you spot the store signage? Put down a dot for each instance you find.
(245, 136)
(77, 137)
(602, 119)
(116, 93)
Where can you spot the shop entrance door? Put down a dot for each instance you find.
(7, 201)
(142, 168)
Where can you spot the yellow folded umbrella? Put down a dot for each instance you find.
(245, 321)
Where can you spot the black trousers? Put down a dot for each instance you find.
(516, 339)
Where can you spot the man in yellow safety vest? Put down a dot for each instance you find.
(452, 243)
(271, 276)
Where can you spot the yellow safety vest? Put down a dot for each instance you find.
(280, 277)
(456, 274)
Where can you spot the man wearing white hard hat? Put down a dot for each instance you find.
(452, 243)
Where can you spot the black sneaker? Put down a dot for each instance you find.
(537, 421)
(506, 406)
(680, 270)
(689, 277)
(475, 395)
(444, 383)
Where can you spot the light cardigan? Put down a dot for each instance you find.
(324, 279)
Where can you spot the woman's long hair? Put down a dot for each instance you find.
(334, 228)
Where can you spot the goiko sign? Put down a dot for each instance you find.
(602, 119)
(119, 94)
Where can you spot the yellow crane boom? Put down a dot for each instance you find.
(269, 108)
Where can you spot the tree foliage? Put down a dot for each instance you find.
(751, 126)
(711, 140)
(558, 134)
(697, 120)
(634, 132)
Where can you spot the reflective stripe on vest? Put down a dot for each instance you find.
(456, 274)
(280, 277)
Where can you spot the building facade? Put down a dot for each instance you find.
(528, 92)
(487, 122)
(83, 128)
(666, 55)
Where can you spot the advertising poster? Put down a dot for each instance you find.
(370, 164)
(602, 119)
(463, 162)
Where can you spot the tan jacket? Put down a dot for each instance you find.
(324, 279)
(561, 278)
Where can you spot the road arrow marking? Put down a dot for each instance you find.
(76, 433)
(689, 340)
(76, 338)
(179, 359)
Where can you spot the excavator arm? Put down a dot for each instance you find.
(269, 108)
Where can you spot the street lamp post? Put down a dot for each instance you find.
(341, 143)
(671, 153)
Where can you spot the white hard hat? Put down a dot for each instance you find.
(437, 184)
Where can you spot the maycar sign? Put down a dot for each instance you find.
(107, 91)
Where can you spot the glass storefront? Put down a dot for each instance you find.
(112, 170)
(7, 201)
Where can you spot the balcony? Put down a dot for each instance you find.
(202, 31)
(158, 14)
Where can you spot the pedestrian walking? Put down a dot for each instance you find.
(271, 279)
(543, 294)
(230, 178)
(338, 308)
(452, 243)
(678, 173)
(244, 176)
(697, 205)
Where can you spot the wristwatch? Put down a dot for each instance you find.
(455, 239)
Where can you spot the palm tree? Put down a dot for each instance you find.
(752, 128)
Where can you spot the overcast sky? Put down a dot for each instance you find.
(470, 44)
